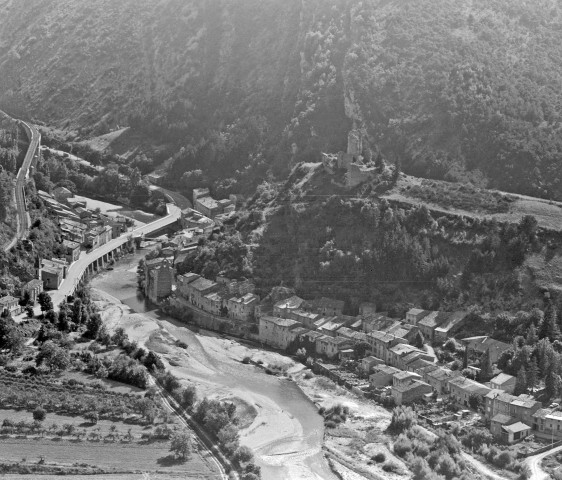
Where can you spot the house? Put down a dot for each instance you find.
(429, 323)
(285, 307)
(398, 353)
(242, 308)
(71, 230)
(52, 273)
(331, 346)
(212, 303)
(331, 327)
(10, 305)
(347, 354)
(382, 375)
(182, 282)
(159, 279)
(200, 192)
(515, 432)
(33, 288)
(503, 382)
(453, 321)
(378, 322)
(275, 331)
(355, 337)
(524, 407)
(208, 206)
(381, 343)
(482, 344)
(497, 402)
(414, 315)
(498, 422)
(368, 363)
(195, 289)
(328, 306)
(306, 318)
(410, 392)
(419, 364)
(62, 194)
(72, 251)
(307, 340)
(547, 424)
(402, 378)
(439, 379)
(461, 389)
(296, 338)
(405, 331)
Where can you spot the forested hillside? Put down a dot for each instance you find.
(465, 90)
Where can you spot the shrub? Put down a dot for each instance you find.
(403, 418)
(39, 414)
(402, 445)
(379, 457)
(391, 467)
(246, 360)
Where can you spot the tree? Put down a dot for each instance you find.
(474, 401)
(419, 340)
(486, 368)
(39, 414)
(181, 445)
(532, 337)
(360, 349)
(119, 336)
(29, 311)
(54, 357)
(532, 374)
(244, 454)
(188, 397)
(45, 301)
(521, 382)
(93, 326)
(550, 327)
(92, 416)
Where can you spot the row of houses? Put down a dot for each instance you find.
(233, 299)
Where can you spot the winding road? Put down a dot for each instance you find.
(534, 463)
(22, 176)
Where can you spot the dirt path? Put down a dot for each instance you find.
(534, 463)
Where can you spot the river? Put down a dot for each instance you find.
(280, 459)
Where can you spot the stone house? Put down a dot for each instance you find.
(547, 424)
(159, 279)
(482, 344)
(439, 379)
(328, 306)
(331, 346)
(368, 363)
(381, 343)
(242, 308)
(382, 375)
(461, 389)
(72, 251)
(453, 321)
(410, 392)
(275, 331)
(414, 315)
(504, 382)
(197, 289)
(9, 304)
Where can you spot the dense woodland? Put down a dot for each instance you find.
(454, 90)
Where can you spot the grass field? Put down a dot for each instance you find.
(134, 457)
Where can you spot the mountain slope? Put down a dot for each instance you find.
(467, 91)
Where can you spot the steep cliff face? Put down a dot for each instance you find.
(466, 90)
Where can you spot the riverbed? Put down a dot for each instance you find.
(287, 432)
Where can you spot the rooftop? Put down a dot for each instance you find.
(516, 427)
(7, 300)
(281, 322)
(502, 419)
(502, 378)
(410, 386)
(415, 311)
(386, 369)
(402, 375)
(293, 302)
(468, 385)
(201, 284)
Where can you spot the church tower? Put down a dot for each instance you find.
(37, 267)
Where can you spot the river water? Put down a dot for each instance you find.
(121, 283)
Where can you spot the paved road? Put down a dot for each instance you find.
(534, 463)
(178, 198)
(78, 268)
(22, 215)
